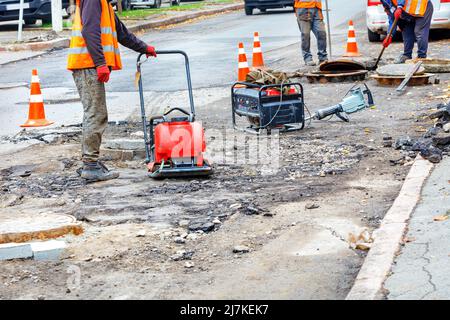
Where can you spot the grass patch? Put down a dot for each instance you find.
(66, 24)
(143, 13)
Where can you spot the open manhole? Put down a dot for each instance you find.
(338, 71)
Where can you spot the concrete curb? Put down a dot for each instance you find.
(38, 46)
(184, 18)
(63, 43)
(388, 238)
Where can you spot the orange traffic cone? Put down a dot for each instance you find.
(352, 46)
(36, 115)
(258, 60)
(243, 64)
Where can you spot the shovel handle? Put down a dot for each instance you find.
(391, 31)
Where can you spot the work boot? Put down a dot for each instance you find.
(310, 63)
(97, 171)
(402, 59)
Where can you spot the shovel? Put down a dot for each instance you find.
(391, 31)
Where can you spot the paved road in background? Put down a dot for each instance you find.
(211, 44)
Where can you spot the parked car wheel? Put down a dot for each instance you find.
(248, 11)
(176, 2)
(30, 21)
(373, 36)
(157, 4)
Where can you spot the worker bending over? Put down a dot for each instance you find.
(93, 54)
(414, 18)
(310, 19)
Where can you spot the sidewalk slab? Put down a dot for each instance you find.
(421, 270)
(389, 237)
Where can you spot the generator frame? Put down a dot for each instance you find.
(296, 100)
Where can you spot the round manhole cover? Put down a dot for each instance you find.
(398, 70)
(27, 227)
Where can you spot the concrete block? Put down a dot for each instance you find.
(139, 155)
(125, 144)
(112, 154)
(118, 155)
(9, 251)
(127, 155)
(48, 250)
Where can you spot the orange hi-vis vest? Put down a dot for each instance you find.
(415, 8)
(79, 57)
(308, 4)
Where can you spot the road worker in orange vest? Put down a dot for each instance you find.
(310, 19)
(414, 21)
(93, 54)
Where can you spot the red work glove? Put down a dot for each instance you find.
(398, 13)
(103, 73)
(151, 52)
(387, 42)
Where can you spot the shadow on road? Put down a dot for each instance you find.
(13, 27)
(271, 12)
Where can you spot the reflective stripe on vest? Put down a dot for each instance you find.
(415, 8)
(84, 50)
(308, 4)
(79, 57)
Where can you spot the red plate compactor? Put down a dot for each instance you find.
(174, 146)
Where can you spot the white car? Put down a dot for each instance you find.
(378, 22)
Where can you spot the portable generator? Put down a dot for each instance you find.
(278, 106)
(174, 146)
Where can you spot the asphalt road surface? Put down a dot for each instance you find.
(210, 43)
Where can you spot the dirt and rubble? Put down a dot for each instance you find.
(277, 228)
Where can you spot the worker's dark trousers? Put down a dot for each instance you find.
(95, 117)
(418, 29)
(311, 20)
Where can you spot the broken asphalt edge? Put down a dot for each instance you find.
(64, 43)
(54, 44)
(389, 236)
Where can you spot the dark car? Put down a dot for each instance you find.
(33, 10)
(263, 5)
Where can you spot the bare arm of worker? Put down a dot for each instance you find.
(91, 13)
(127, 39)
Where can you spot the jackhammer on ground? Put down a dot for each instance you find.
(354, 101)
